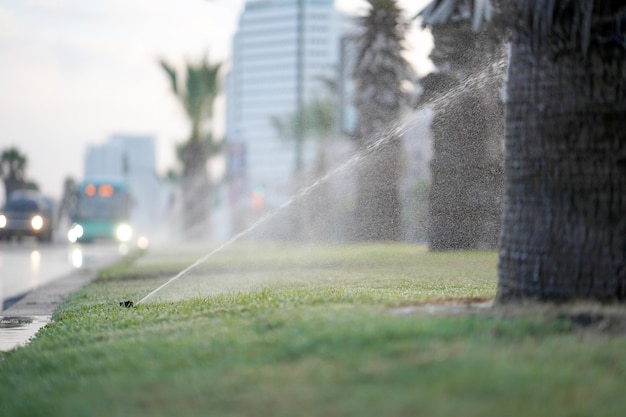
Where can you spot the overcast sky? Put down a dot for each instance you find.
(73, 72)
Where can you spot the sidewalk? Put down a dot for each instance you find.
(44, 300)
(22, 320)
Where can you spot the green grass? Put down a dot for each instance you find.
(307, 331)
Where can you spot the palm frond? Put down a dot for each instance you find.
(380, 66)
(441, 12)
(427, 11)
(194, 88)
(282, 127)
(330, 83)
(390, 5)
(210, 73)
(171, 72)
(483, 12)
(569, 24)
(197, 94)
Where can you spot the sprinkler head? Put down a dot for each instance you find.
(127, 304)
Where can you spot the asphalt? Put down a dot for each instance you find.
(23, 317)
(44, 300)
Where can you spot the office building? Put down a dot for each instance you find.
(280, 52)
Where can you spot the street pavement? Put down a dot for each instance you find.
(23, 319)
(20, 321)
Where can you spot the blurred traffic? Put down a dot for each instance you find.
(27, 213)
(41, 240)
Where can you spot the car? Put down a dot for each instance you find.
(27, 213)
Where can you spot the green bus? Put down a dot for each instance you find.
(101, 209)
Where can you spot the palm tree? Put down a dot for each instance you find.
(197, 99)
(564, 224)
(467, 167)
(318, 122)
(13, 170)
(380, 73)
(313, 215)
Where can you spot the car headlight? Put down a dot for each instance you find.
(143, 243)
(36, 222)
(3, 221)
(75, 232)
(123, 232)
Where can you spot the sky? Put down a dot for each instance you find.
(74, 72)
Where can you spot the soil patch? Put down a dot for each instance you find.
(583, 316)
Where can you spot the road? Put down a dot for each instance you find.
(29, 264)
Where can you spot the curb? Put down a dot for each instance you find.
(45, 300)
(23, 319)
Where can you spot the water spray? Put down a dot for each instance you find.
(399, 129)
(363, 153)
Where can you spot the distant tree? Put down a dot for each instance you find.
(381, 73)
(314, 212)
(197, 98)
(319, 123)
(13, 170)
(564, 223)
(468, 128)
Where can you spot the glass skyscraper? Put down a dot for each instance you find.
(281, 50)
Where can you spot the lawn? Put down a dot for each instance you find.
(297, 330)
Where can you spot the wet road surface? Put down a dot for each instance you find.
(35, 277)
(29, 265)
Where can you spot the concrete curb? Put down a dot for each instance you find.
(45, 300)
(22, 320)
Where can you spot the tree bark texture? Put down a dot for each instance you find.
(380, 73)
(465, 199)
(378, 211)
(564, 224)
(197, 191)
(466, 173)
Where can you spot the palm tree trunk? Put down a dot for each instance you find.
(564, 225)
(466, 193)
(378, 214)
(465, 198)
(197, 192)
